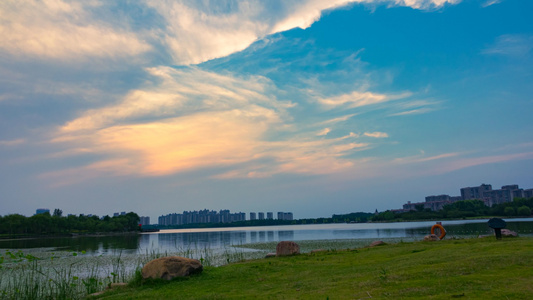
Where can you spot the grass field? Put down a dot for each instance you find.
(483, 268)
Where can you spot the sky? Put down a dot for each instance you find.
(314, 107)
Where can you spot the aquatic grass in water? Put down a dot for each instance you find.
(45, 275)
(41, 274)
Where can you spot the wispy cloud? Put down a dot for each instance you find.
(338, 119)
(324, 131)
(358, 99)
(416, 107)
(191, 31)
(423, 4)
(422, 158)
(516, 45)
(476, 161)
(417, 111)
(63, 31)
(376, 134)
(9, 143)
(197, 32)
(450, 162)
(490, 2)
(191, 119)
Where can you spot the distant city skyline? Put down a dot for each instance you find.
(483, 192)
(212, 216)
(312, 107)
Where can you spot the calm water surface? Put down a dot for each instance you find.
(217, 238)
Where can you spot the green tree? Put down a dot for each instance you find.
(14, 224)
(40, 223)
(523, 211)
(509, 211)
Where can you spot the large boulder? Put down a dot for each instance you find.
(170, 267)
(431, 237)
(285, 248)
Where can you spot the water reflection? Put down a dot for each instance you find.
(90, 244)
(200, 239)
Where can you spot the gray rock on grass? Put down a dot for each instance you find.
(431, 237)
(285, 248)
(171, 267)
(509, 233)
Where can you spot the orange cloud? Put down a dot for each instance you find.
(193, 119)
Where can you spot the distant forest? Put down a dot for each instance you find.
(56, 224)
(520, 207)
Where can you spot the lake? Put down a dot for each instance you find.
(219, 238)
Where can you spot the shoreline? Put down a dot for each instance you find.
(67, 235)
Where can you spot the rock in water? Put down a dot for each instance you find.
(285, 248)
(170, 267)
(431, 237)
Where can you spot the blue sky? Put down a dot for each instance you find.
(314, 107)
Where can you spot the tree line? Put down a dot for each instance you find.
(520, 207)
(45, 223)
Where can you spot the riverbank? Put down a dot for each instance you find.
(469, 268)
(65, 235)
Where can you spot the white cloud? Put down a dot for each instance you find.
(323, 132)
(425, 4)
(196, 31)
(193, 31)
(490, 2)
(60, 30)
(376, 134)
(358, 99)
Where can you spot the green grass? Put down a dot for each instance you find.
(469, 269)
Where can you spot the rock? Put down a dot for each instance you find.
(285, 248)
(431, 237)
(377, 243)
(270, 255)
(507, 232)
(170, 267)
